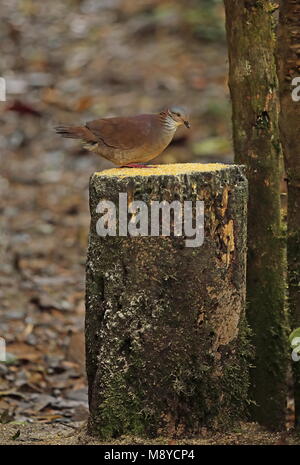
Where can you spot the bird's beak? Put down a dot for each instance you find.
(187, 124)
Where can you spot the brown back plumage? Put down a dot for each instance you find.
(130, 139)
(120, 133)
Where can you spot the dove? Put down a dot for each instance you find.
(129, 141)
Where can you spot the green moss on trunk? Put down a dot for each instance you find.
(167, 350)
(288, 49)
(253, 83)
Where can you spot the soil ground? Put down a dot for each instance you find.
(75, 434)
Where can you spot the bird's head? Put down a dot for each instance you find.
(179, 116)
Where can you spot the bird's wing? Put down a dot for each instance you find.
(123, 133)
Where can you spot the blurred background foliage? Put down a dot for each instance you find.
(205, 19)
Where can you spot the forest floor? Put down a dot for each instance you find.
(75, 434)
(76, 61)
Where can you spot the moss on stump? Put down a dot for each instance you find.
(166, 337)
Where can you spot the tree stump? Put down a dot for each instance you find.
(166, 337)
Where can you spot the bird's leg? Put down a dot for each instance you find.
(137, 165)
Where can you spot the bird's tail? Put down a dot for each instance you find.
(76, 132)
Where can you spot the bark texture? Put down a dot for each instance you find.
(253, 84)
(166, 338)
(289, 68)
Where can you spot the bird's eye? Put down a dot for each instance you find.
(177, 114)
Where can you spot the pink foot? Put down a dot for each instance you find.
(137, 165)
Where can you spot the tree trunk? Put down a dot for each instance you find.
(252, 82)
(289, 68)
(166, 338)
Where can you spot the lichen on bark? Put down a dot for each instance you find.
(253, 88)
(166, 337)
(288, 50)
